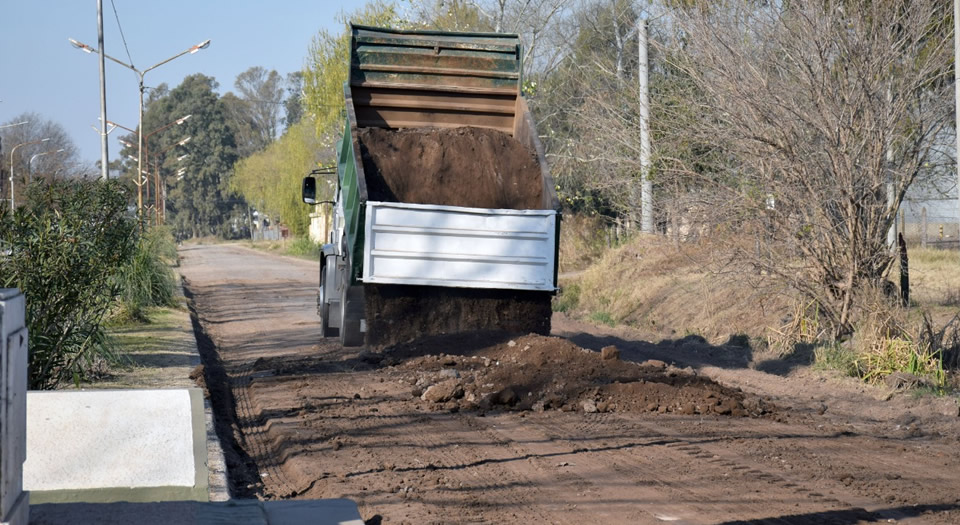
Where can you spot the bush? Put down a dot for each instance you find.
(304, 247)
(568, 299)
(64, 249)
(147, 280)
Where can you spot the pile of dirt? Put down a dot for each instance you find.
(534, 372)
(398, 313)
(466, 166)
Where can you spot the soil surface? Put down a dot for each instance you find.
(592, 425)
(466, 166)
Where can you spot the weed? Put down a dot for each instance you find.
(804, 328)
(568, 299)
(146, 280)
(897, 354)
(303, 247)
(835, 357)
(602, 317)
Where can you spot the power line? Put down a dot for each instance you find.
(121, 32)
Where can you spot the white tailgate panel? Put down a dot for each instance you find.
(459, 247)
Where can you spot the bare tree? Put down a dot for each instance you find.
(819, 117)
(47, 162)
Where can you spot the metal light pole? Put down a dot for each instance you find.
(156, 174)
(140, 74)
(1, 138)
(12, 202)
(104, 156)
(956, 87)
(646, 186)
(30, 163)
(144, 147)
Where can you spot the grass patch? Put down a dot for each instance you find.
(583, 240)
(603, 318)
(835, 357)
(301, 247)
(157, 352)
(934, 277)
(568, 299)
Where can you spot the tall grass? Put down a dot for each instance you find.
(147, 279)
(303, 247)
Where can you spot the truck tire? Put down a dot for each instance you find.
(326, 287)
(351, 314)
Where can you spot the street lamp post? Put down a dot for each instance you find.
(30, 164)
(144, 145)
(191, 50)
(12, 202)
(1, 138)
(156, 175)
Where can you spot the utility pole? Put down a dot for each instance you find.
(104, 157)
(646, 189)
(956, 87)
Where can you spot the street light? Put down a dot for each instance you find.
(30, 164)
(156, 177)
(12, 202)
(145, 145)
(84, 47)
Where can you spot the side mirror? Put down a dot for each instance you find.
(308, 191)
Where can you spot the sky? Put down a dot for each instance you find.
(41, 72)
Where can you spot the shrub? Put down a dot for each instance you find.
(303, 247)
(64, 248)
(568, 299)
(146, 279)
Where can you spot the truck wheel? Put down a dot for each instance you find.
(351, 314)
(325, 288)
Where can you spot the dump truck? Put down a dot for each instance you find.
(397, 266)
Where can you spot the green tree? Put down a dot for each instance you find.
(270, 179)
(199, 202)
(293, 104)
(328, 62)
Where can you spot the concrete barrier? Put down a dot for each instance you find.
(14, 501)
(116, 445)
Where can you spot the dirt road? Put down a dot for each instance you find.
(301, 417)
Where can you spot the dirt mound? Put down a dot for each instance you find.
(396, 313)
(533, 372)
(466, 166)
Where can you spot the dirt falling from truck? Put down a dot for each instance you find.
(469, 167)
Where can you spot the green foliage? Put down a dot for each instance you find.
(270, 180)
(147, 279)
(304, 247)
(603, 317)
(900, 354)
(64, 249)
(328, 62)
(568, 299)
(835, 356)
(200, 203)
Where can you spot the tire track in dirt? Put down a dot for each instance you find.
(665, 458)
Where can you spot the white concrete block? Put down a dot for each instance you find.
(115, 445)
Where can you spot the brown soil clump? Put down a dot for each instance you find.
(540, 373)
(397, 313)
(466, 166)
